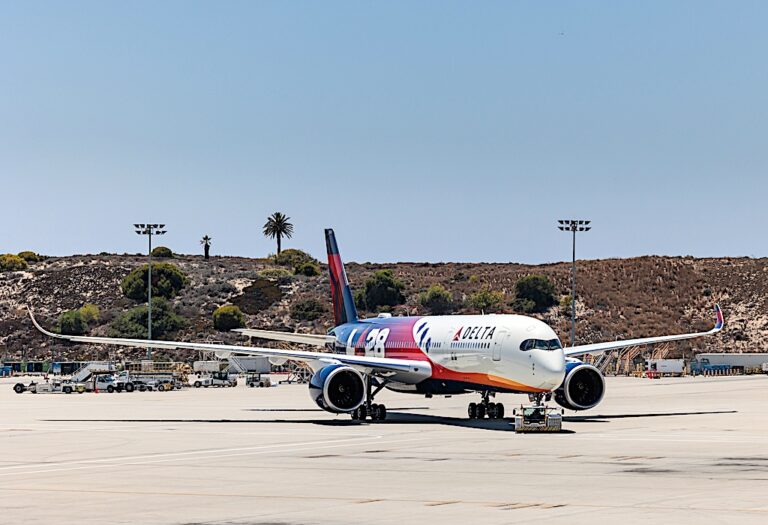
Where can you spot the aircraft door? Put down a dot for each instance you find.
(498, 342)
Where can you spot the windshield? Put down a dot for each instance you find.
(540, 344)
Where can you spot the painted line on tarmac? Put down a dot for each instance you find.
(195, 455)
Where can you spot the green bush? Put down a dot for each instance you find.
(133, 323)
(523, 305)
(167, 281)
(12, 263)
(30, 257)
(228, 317)
(537, 289)
(309, 269)
(383, 289)
(162, 252)
(275, 274)
(72, 323)
(486, 300)
(293, 258)
(359, 298)
(437, 300)
(90, 313)
(307, 310)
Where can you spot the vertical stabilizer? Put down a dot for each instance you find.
(343, 303)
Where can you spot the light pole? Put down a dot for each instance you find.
(570, 225)
(149, 230)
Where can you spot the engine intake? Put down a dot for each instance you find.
(337, 388)
(582, 389)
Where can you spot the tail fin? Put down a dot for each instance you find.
(344, 309)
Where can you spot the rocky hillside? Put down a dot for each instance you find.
(618, 298)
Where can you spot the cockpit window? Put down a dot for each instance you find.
(540, 344)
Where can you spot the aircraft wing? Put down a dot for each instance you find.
(598, 348)
(407, 369)
(289, 337)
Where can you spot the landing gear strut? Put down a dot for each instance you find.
(369, 409)
(486, 407)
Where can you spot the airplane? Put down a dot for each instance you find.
(426, 355)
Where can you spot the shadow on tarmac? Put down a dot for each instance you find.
(600, 418)
(397, 418)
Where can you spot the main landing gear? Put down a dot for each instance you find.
(369, 409)
(486, 408)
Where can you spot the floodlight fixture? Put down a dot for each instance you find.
(573, 226)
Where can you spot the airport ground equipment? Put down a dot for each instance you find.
(54, 386)
(83, 373)
(665, 367)
(538, 418)
(258, 380)
(129, 381)
(215, 379)
(723, 362)
(298, 373)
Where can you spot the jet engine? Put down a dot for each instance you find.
(337, 388)
(582, 389)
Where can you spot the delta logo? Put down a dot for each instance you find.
(474, 333)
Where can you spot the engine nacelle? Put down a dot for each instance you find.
(337, 388)
(582, 388)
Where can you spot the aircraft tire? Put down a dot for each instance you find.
(472, 411)
(382, 413)
(499, 410)
(480, 411)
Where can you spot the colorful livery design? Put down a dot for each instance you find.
(430, 355)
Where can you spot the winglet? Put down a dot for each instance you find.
(720, 321)
(40, 328)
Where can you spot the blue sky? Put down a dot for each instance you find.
(420, 131)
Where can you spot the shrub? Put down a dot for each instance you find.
(437, 300)
(307, 310)
(162, 252)
(486, 300)
(12, 263)
(383, 289)
(90, 313)
(293, 258)
(30, 257)
(133, 323)
(308, 269)
(71, 322)
(523, 305)
(167, 281)
(228, 317)
(359, 298)
(275, 274)
(538, 289)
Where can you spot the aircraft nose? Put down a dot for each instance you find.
(550, 368)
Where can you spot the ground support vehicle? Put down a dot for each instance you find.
(215, 379)
(538, 418)
(55, 386)
(146, 381)
(100, 382)
(258, 380)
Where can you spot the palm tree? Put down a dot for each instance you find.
(277, 227)
(206, 242)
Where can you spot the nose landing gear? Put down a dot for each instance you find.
(485, 407)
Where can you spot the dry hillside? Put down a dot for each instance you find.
(619, 298)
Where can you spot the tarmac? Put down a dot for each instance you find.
(677, 450)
